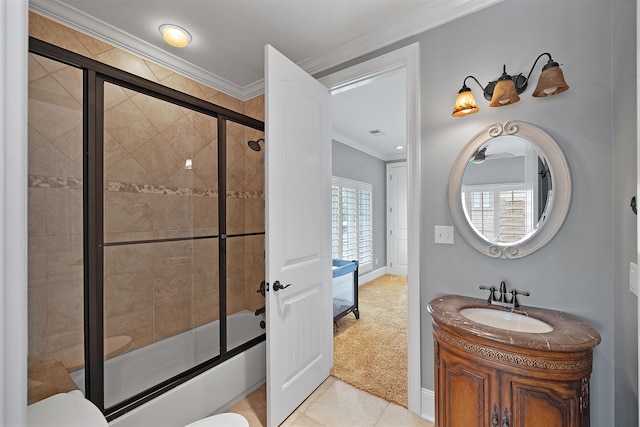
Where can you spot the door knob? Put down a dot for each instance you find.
(277, 286)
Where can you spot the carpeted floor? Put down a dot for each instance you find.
(371, 353)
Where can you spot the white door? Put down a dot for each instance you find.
(298, 246)
(397, 218)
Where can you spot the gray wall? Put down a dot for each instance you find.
(624, 221)
(350, 163)
(575, 272)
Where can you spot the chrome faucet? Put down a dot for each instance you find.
(503, 298)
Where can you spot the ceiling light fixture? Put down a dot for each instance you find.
(505, 90)
(174, 35)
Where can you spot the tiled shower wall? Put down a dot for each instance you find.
(152, 290)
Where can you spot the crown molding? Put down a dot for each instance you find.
(428, 17)
(421, 20)
(87, 24)
(338, 137)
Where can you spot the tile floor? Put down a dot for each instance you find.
(334, 404)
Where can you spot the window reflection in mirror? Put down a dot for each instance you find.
(505, 190)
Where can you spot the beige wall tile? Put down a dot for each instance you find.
(254, 107)
(184, 178)
(206, 276)
(128, 258)
(64, 211)
(114, 95)
(64, 339)
(171, 283)
(205, 213)
(161, 113)
(35, 70)
(127, 125)
(127, 212)
(158, 158)
(159, 71)
(186, 135)
(172, 318)
(37, 297)
(128, 170)
(64, 305)
(127, 62)
(49, 161)
(128, 292)
(52, 110)
(205, 250)
(204, 165)
(65, 258)
(206, 308)
(70, 145)
(113, 153)
(172, 213)
(70, 78)
(136, 324)
(36, 141)
(57, 34)
(36, 208)
(183, 84)
(37, 265)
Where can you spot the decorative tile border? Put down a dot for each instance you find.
(125, 187)
(40, 181)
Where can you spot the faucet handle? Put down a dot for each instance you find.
(514, 297)
(492, 293)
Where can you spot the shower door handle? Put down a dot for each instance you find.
(277, 286)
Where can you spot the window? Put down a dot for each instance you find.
(352, 222)
(498, 211)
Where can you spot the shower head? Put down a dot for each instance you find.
(255, 145)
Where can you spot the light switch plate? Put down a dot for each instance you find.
(633, 278)
(444, 234)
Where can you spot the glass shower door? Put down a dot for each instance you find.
(161, 274)
(55, 226)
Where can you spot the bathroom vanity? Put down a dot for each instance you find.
(530, 369)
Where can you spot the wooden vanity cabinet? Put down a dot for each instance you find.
(538, 389)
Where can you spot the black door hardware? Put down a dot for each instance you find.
(277, 286)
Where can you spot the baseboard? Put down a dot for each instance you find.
(373, 274)
(428, 405)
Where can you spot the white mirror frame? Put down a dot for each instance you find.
(559, 202)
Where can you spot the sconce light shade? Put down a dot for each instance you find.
(551, 81)
(505, 92)
(465, 103)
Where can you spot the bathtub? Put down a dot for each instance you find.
(210, 392)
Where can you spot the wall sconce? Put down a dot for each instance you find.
(188, 164)
(505, 90)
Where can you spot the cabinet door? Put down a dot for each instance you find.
(466, 392)
(540, 403)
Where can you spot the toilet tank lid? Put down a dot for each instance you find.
(65, 410)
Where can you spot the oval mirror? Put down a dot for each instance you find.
(510, 190)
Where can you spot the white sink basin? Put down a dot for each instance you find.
(506, 320)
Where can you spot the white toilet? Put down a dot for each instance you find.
(73, 410)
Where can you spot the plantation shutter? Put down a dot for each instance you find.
(498, 211)
(349, 223)
(352, 222)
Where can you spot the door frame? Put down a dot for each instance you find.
(407, 57)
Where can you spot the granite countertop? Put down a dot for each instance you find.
(569, 334)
